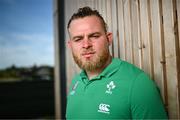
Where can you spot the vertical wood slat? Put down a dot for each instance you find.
(95, 4)
(121, 34)
(146, 37)
(170, 56)
(89, 3)
(103, 7)
(127, 25)
(99, 6)
(157, 45)
(177, 47)
(109, 19)
(80, 3)
(70, 7)
(114, 29)
(178, 18)
(178, 22)
(137, 51)
(163, 60)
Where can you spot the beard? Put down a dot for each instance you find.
(97, 62)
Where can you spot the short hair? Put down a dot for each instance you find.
(85, 12)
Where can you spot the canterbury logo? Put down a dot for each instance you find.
(104, 108)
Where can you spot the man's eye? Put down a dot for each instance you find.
(95, 36)
(77, 39)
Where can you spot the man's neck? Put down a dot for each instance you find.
(95, 73)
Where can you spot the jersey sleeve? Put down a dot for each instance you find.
(145, 99)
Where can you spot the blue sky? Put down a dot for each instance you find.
(26, 33)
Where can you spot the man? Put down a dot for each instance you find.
(107, 88)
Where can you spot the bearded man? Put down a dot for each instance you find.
(107, 87)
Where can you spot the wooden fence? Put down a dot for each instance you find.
(146, 33)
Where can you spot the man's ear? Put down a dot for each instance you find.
(109, 37)
(69, 44)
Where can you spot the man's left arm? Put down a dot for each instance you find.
(146, 101)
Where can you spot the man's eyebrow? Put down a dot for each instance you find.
(91, 34)
(78, 36)
(95, 33)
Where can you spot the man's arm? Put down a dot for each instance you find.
(145, 99)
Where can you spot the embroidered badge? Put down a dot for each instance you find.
(104, 108)
(110, 87)
(74, 88)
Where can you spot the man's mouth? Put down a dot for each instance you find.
(88, 54)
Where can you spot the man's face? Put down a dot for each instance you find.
(89, 43)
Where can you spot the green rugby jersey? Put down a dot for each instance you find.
(121, 91)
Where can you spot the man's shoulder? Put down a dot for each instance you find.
(76, 77)
(129, 68)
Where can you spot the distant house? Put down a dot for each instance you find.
(26, 74)
(44, 73)
(37, 73)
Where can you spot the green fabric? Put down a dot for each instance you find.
(121, 91)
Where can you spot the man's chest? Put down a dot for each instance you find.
(108, 99)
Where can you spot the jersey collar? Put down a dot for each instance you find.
(111, 68)
(107, 72)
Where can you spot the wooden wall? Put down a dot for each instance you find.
(146, 33)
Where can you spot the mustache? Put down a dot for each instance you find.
(85, 51)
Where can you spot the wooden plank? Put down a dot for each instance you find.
(158, 48)
(128, 32)
(94, 4)
(89, 3)
(103, 7)
(83, 3)
(71, 67)
(178, 39)
(99, 6)
(178, 18)
(80, 3)
(145, 37)
(120, 13)
(137, 51)
(114, 29)
(108, 19)
(170, 56)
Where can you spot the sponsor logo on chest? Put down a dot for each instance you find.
(104, 108)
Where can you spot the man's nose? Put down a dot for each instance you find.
(87, 43)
